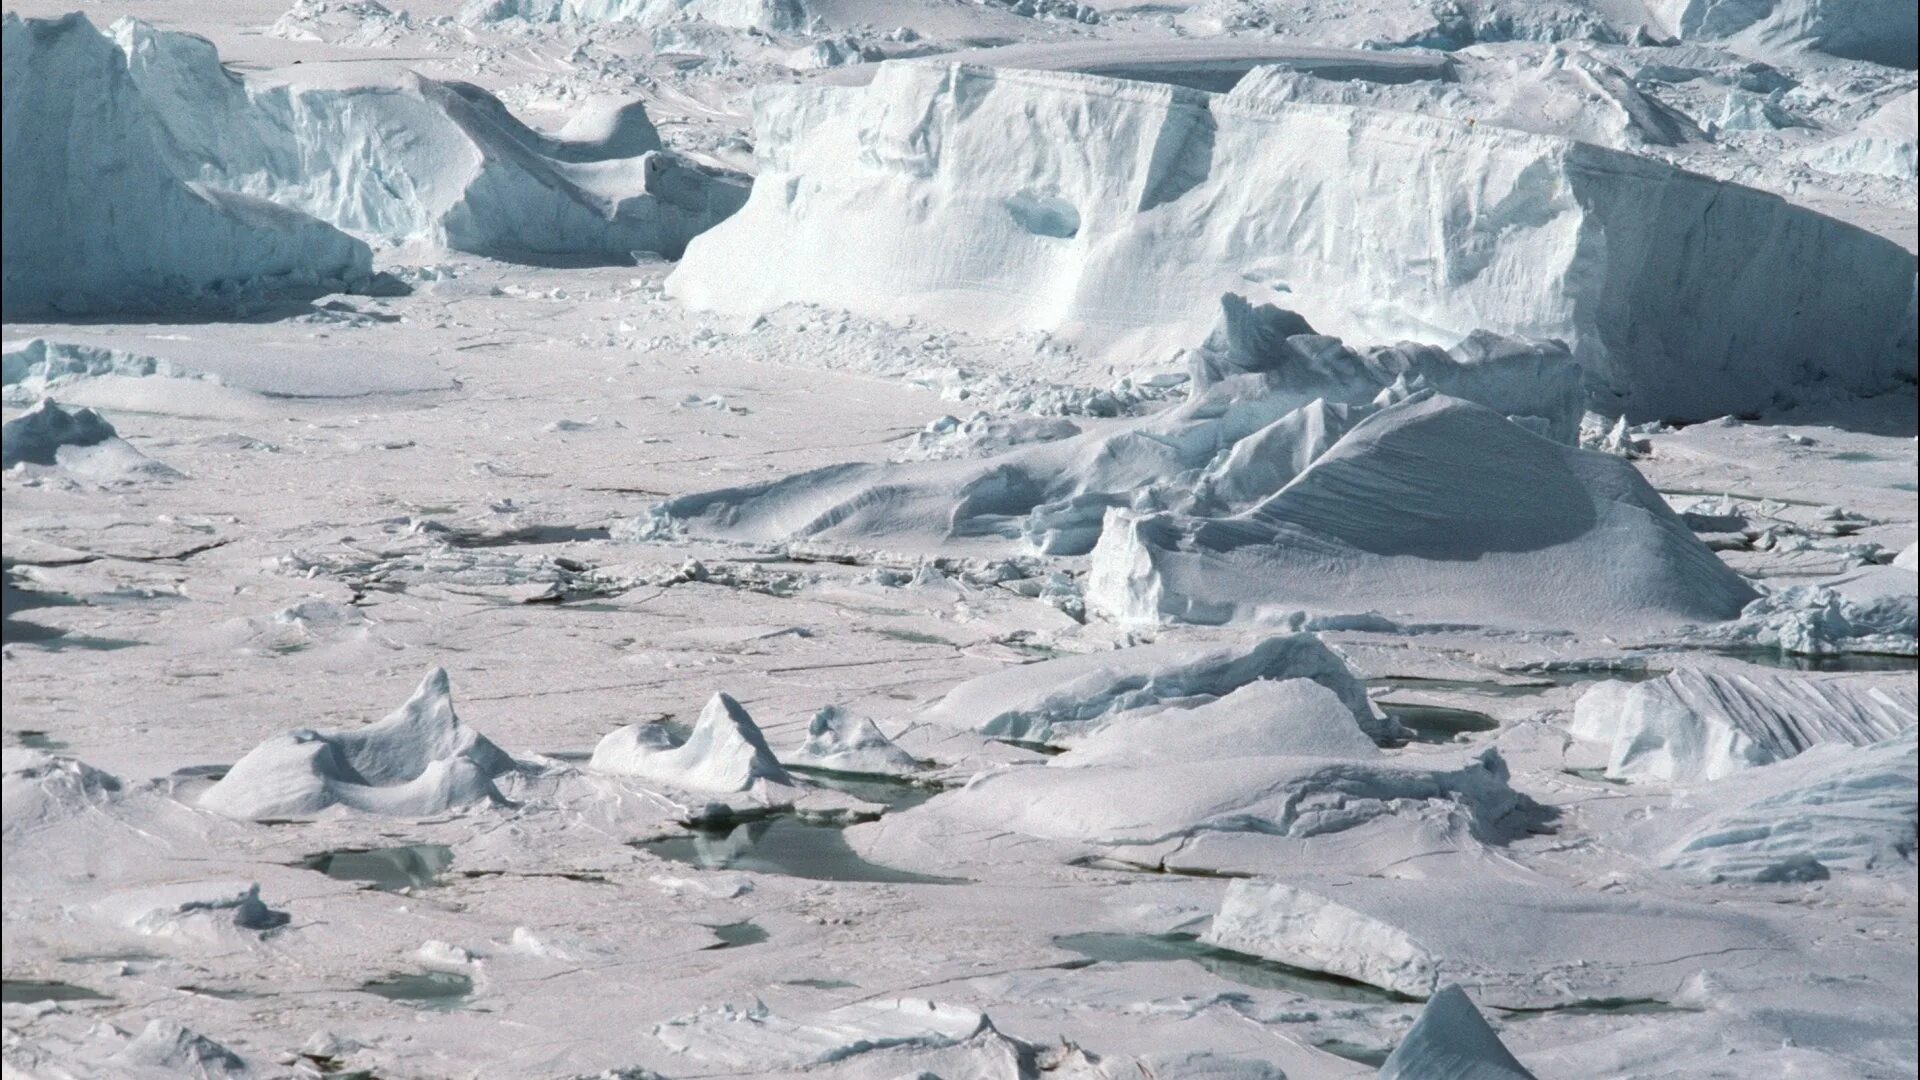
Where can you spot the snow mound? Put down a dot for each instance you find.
(1520, 946)
(39, 788)
(1702, 725)
(1266, 395)
(35, 368)
(79, 441)
(421, 160)
(1111, 213)
(1268, 717)
(97, 218)
(1436, 509)
(1452, 1041)
(421, 759)
(724, 752)
(1832, 808)
(165, 1048)
(1077, 695)
(836, 740)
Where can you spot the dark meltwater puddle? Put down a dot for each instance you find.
(415, 866)
(37, 740)
(29, 991)
(1599, 1007)
(822, 984)
(1231, 966)
(1463, 686)
(1774, 658)
(427, 989)
(1370, 1056)
(887, 791)
(1437, 723)
(781, 845)
(737, 935)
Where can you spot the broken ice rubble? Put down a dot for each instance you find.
(420, 760)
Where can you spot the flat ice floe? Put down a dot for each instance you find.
(98, 219)
(419, 760)
(1112, 213)
(1518, 945)
(1702, 725)
(1432, 509)
(419, 159)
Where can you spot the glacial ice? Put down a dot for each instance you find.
(1701, 725)
(423, 160)
(98, 219)
(763, 15)
(1452, 1041)
(33, 369)
(1874, 609)
(165, 1048)
(1077, 695)
(79, 441)
(1832, 808)
(1520, 945)
(1111, 213)
(724, 752)
(421, 759)
(1434, 509)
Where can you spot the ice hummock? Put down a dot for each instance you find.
(80, 441)
(842, 742)
(724, 752)
(915, 196)
(424, 160)
(1452, 1041)
(1695, 724)
(1077, 695)
(1434, 509)
(98, 217)
(421, 759)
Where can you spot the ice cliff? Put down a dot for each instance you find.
(1113, 213)
(97, 217)
(423, 160)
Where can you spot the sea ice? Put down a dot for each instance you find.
(837, 740)
(1451, 1041)
(724, 752)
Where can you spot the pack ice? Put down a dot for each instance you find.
(98, 218)
(1112, 213)
(421, 759)
(420, 159)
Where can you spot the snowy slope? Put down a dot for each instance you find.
(1113, 213)
(95, 217)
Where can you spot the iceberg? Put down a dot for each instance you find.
(1702, 725)
(96, 217)
(1432, 508)
(421, 759)
(1111, 214)
(724, 752)
(1452, 1041)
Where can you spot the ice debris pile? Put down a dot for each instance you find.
(421, 759)
(1113, 213)
(1703, 725)
(98, 216)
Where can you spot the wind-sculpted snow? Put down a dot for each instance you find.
(1432, 508)
(1266, 396)
(1832, 808)
(1702, 725)
(844, 743)
(98, 219)
(420, 760)
(1078, 695)
(1452, 1041)
(423, 160)
(1112, 213)
(1518, 945)
(724, 752)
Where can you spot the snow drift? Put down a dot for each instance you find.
(420, 760)
(423, 160)
(1702, 725)
(1112, 213)
(1436, 509)
(96, 216)
(724, 752)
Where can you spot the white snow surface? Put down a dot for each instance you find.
(1702, 725)
(1111, 213)
(723, 752)
(97, 218)
(419, 760)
